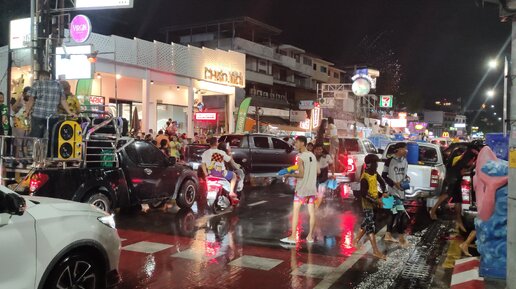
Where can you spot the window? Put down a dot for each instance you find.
(315, 66)
(279, 144)
(235, 141)
(427, 155)
(307, 61)
(370, 149)
(131, 152)
(261, 142)
(149, 154)
(324, 69)
(349, 145)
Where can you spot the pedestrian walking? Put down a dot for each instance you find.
(325, 166)
(371, 199)
(305, 189)
(161, 136)
(394, 173)
(458, 166)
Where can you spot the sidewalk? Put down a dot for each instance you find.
(466, 276)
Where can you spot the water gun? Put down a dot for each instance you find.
(289, 170)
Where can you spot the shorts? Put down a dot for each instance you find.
(304, 200)
(218, 174)
(455, 192)
(368, 222)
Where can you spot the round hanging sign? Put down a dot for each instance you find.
(80, 28)
(361, 86)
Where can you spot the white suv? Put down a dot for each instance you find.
(51, 243)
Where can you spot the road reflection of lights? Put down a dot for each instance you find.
(150, 266)
(348, 222)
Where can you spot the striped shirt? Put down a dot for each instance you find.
(47, 95)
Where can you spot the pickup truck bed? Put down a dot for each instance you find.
(426, 178)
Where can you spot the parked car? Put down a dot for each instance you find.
(260, 155)
(52, 243)
(426, 177)
(350, 161)
(143, 175)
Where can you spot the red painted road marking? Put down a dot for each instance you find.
(162, 270)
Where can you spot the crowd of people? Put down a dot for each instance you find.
(27, 114)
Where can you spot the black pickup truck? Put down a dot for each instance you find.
(260, 155)
(144, 175)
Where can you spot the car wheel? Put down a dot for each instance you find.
(100, 201)
(187, 194)
(76, 271)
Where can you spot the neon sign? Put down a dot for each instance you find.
(224, 76)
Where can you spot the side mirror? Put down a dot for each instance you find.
(172, 161)
(12, 204)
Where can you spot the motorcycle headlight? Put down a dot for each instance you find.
(108, 220)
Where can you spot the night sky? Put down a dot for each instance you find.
(442, 46)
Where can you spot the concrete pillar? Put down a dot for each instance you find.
(189, 113)
(146, 85)
(231, 112)
(511, 219)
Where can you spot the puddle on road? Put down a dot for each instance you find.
(389, 270)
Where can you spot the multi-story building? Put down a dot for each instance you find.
(441, 121)
(278, 76)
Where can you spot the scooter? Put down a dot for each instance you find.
(217, 193)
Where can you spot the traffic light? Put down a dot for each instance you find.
(69, 142)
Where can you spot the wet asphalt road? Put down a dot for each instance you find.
(172, 248)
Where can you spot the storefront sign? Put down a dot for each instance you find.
(297, 115)
(306, 104)
(206, 116)
(459, 125)
(19, 36)
(72, 62)
(327, 102)
(223, 76)
(80, 28)
(103, 4)
(386, 101)
(316, 117)
(305, 124)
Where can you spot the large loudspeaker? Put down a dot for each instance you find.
(69, 140)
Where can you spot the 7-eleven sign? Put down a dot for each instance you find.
(386, 100)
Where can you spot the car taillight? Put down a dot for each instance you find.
(37, 180)
(434, 179)
(466, 189)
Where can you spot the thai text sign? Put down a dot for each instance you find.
(222, 76)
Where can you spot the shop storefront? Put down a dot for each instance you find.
(151, 81)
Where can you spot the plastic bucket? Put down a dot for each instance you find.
(413, 153)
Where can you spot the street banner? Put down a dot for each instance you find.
(242, 115)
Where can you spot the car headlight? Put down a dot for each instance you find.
(108, 220)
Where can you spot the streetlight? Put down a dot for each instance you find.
(492, 105)
(499, 119)
(490, 93)
(493, 63)
(494, 113)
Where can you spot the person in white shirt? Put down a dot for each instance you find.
(213, 164)
(305, 189)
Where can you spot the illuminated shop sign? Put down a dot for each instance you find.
(206, 116)
(103, 4)
(224, 76)
(80, 28)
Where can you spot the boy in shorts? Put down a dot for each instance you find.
(306, 189)
(371, 199)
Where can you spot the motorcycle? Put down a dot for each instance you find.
(217, 193)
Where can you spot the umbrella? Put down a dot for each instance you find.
(135, 122)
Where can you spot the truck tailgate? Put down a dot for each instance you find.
(419, 176)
